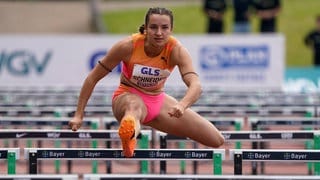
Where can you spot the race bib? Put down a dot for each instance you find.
(148, 77)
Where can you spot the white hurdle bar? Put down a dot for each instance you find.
(40, 177)
(35, 154)
(44, 121)
(239, 155)
(107, 135)
(190, 177)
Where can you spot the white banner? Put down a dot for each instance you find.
(225, 62)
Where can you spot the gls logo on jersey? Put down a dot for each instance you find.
(96, 56)
(231, 57)
(23, 62)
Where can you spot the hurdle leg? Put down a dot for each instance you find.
(317, 146)
(57, 163)
(217, 164)
(108, 145)
(182, 162)
(33, 166)
(237, 127)
(11, 158)
(237, 163)
(195, 163)
(163, 145)
(309, 145)
(94, 145)
(254, 164)
(57, 144)
(144, 144)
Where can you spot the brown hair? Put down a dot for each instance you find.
(156, 10)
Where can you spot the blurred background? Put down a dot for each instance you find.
(295, 19)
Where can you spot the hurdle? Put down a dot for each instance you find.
(43, 121)
(35, 154)
(190, 177)
(66, 111)
(11, 155)
(54, 134)
(255, 111)
(240, 155)
(256, 136)
(305, 122)
(57, 122)
(89, 135)
(286, 121)
(236, 123)
(232, 136)
(110, 122)
(40, 177)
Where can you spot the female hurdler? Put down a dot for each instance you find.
(147, 60)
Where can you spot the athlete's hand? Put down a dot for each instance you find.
(177, 110)
(75, 123)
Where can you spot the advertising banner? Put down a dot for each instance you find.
(302, 79)
(228, 62)
(239, 62)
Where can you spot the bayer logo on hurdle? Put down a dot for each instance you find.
(152, 154)
(187, 155)
(45, 154)
(251, 155)
(286, 156)
(116, 154)
(81, 154)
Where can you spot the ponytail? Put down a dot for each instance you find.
(141, 29)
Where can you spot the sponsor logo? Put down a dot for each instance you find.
(45, 154)
(95, 57)
(81, 154)
(255, 136)
(286, 135)
(53, 135)
(98, 55)
(298, 156)
(145, 76)
(85, 135)
(231, 57)
(117, 154)
(24, 62)
(20, 135)
(54, 154)
(92, 154)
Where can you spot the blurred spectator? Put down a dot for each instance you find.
(214, 9)
(312, 40)
(241, 16)
(267, 11)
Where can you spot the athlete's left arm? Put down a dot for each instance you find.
(183, 60)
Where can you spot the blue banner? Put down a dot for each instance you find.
(303, 79)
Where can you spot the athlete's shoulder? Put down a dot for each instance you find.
(176, 44)
(124, 44)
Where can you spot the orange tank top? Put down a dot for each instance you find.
(148, 72)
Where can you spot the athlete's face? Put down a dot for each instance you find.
(158, 29)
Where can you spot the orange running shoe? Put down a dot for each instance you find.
(127, 135)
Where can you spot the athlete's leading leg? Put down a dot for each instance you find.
(130, 111)
(191, 125)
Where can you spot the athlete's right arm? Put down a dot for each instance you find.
(120, 51)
